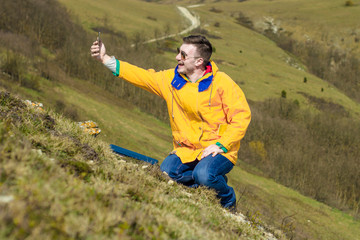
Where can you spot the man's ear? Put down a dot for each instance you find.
(199, 62)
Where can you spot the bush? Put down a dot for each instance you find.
(14, 65)
(50, 23)
(244, 20)
(32, 82)
(349, 3)
(215, 10)
(333, 65)
(316, 154)
(19, 43)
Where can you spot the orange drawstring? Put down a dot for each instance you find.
(210, 95)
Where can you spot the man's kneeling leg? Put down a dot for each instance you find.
(210, 172)
(180, 172)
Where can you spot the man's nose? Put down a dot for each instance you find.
(178, 57)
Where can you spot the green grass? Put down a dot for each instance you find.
(327, 21)
(304, 217)
(128, 16)
(120, 124)
(252, 60)
(261, 68)
(261, 71)
(58, 182)
(41, 175)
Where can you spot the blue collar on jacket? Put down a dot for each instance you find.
(178, 81)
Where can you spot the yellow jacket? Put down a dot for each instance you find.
(212, 110)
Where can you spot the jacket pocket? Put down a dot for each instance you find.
(181, 140)
(210, 136)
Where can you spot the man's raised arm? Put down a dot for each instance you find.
(146, 79)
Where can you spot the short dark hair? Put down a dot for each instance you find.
(203, 46)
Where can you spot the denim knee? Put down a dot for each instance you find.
(203, 177)
(165, 168)
(177, 170)
(170, 166)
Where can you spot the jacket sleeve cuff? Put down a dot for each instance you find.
(114, 65)
(221, 147)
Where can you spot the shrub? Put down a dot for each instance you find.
(205, 32)
(325, 106)
(316, 154)
(71, 112)
(258, 147)
(331, 64)
(244, 20)
(151, 18)
(19, 43)
(349, 3)
(14, 65)
(215, 10)
(32, 82)
(50, 23)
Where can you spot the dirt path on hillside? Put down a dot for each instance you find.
(195, 22)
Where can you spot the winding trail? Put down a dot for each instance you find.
(195, 22)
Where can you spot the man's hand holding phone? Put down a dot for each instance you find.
(98, 50)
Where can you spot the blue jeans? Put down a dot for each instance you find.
(210, 172)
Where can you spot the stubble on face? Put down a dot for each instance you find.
(187, 66)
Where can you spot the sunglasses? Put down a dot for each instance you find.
(183, 55)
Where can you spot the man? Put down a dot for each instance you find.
(208, 113)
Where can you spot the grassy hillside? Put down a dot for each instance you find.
(265, 69)
(121, 123)
(322, 36)
(299, 217)
(311, 151)
(58, 182)
(144, 17)
(332, 22)
(262, 69)
(335, 23)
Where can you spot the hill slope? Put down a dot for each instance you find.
(58, 182)
(261, 70)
